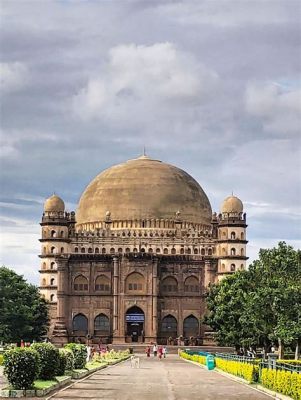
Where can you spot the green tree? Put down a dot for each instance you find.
(261, 305)
(23, 312)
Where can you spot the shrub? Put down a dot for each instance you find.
(1, 359)
(49, 359)
(80, 354)
(21, 367)
(66, 361)
(246, 371)
(193, 357)
(291, 362)
(286, 382)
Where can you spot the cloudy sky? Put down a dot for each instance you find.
(212, 86)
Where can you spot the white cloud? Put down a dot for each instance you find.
(13, 76)
(278, 109)
(154, 75)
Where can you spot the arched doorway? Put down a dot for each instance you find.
(169, 327)
(134, 319)
(191, 326)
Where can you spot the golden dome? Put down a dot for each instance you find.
(143, 189)
(232, 204)
(54, 203)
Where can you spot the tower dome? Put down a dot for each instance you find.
(140, 189)
(232, 204)
(54, 204)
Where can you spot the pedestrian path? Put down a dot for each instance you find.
(167, 379)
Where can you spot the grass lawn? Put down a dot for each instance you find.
(93, 364)
(39, 384)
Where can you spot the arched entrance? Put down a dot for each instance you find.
(191, 326)
(134, 319)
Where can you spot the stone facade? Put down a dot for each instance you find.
(136, 279)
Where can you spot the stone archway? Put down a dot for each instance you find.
(135, 320)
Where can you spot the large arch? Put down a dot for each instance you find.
(102, 325)
(191, 326)
(134, 283)
(102, 284)
(191, 285)
(80, 283)
(80, 323)
(169, 327)
(134, 319)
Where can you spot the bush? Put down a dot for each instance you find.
(286, 382)
(49, 360)
(21, 367)
(80, 354)
(194, 357)
(246, 371)
(1, 359)
(291, 362)
(66, 361)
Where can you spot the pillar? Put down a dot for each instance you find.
(154, 299)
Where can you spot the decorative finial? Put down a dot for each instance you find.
(144, 151)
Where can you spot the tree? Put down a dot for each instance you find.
(260, 306)
(23, 312)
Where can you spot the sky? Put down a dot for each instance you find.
(210, 86)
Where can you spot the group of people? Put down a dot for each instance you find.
(158, 351)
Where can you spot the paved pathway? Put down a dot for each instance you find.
(169, 379)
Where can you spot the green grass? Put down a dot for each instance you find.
(39, 384)
(80, 370)
(94, 364)
(62, 378)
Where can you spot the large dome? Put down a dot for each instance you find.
(143, 189)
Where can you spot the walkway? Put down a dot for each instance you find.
(169, 379)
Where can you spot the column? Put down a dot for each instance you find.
(154, 298)
(115, 294)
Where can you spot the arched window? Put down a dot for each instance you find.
(112, 250)
(103, 250)
(233, 235)
(44, 265)
(169, 285)
(134, 283)
(44, 250)
(191, 285)
(165, 251)
(52, 250)
(242, 236)
(173, 251)
(223, 251)
(241, 266)
(62, 234)
(102, 284)
(242, 252)
(150, 250)
(191, 326)
(52, 265)
(202, 251)
(83, 250)
(52, 281)
(53, 234)
(158, 250)
(169, 326)
(90, 250)
(62, 249)
(96, 250)
(232, 267)
(127, 250)
(80, 323)
(233, 251)
(142, 250)
(182, 251)
(102, 325)
(52, 297)
(135, 250)
(120, 250)
(188, 251)
(209, 252)
(43, 282)
(80, 283)
(76, 250)
(195, 251)
(223, 267)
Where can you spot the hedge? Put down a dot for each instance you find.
(21, 367)
(246, 371)
(80, 354)
(1, 359)
(286, 382)
(49, 360)
(69, 359)
(291, 362)
(194, 357)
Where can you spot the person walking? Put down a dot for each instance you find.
(164, 350)
(155, 350)
(160, 352)
(147, 351)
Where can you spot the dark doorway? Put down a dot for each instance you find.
(135, 324)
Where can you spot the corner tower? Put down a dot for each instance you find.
(231, 237)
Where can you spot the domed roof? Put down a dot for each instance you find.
(54, 203)
(143, 188)
(232, 204)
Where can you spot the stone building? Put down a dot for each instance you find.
(134, 262)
